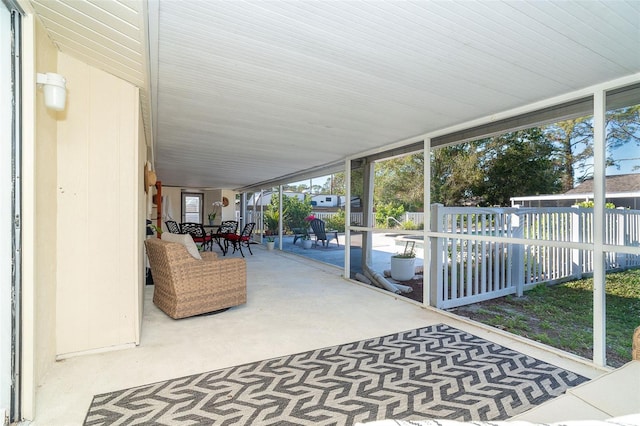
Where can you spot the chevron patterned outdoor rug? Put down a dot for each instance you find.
(436, 371)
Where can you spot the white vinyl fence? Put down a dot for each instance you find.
(471, 271)
(257, 217)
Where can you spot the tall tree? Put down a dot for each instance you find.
(340, 186)
(574, 142)
(400, 181)
(516, 164)
(455, 174)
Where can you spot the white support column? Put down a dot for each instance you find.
(367, 212)
(347, 219)
(426, 225)
(599, 223)
(437, 259)
(243, 210)
(261, 224)
(280, 218)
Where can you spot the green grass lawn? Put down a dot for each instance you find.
(562, 315)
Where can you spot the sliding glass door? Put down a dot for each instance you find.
(10, 213)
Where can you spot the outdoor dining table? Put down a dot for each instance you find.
(220, 234)
(216, 236)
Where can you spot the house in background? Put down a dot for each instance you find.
(621, 190)
(317, 200)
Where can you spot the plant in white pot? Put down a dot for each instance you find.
(306, 241)
(403, 265)
(217, 205)
(306, 238)
(271, 243)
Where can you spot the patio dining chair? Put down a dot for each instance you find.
(197, 232)
(321, 234)
(244, 238)
(173, 226)
(226, 228)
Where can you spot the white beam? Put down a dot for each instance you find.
(599, 296)
(347, 219)
(426, 273)
(280, 217)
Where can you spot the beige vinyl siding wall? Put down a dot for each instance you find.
(45, 212)
(142, 217)
(99, 219)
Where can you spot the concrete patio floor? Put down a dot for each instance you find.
(294, 305)
(384, 245)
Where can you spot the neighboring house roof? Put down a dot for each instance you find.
(614, 184)
(621, 190)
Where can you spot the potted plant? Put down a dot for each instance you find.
(212, 216)
(306, 241)
(271, 243)
(156, 229)
(403, 265)
(272, 219)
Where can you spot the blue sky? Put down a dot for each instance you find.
(628, 157)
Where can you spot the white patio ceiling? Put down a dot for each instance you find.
(250, 91)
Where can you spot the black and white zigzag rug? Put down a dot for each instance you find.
(431, 372)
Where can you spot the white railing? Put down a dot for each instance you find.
(470, 271)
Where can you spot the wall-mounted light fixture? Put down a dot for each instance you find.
(55, 90)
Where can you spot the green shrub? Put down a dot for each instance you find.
(336, 221)
(591, 204)
(412, 226)
(272, 216)
(296, 211)
(384, 211)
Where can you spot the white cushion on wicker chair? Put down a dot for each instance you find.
(184, 239)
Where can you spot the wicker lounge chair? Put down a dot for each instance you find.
(635, 351)
(185, 286)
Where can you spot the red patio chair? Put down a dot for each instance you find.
(244, 238)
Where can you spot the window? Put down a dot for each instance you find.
(192, 207)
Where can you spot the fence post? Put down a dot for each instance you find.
(517, 254)
(618, 218)
(577, 223)
(437, 257)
